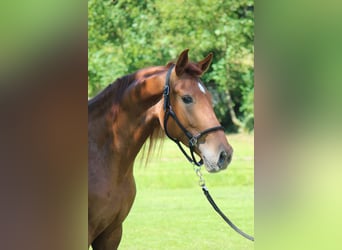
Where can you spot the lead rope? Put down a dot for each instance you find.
(213, 204)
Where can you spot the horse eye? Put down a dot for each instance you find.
(187, 99)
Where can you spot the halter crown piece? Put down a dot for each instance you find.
(193, 139)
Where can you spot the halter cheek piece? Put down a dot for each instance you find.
(193, 139)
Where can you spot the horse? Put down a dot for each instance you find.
(147, 104)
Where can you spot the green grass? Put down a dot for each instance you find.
(171, 212)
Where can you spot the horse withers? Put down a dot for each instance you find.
(123, 116)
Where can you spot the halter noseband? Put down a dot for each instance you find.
(193, 139)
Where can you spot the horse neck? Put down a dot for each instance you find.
(125, 125)
(140, 108)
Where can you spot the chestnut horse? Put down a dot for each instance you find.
(123, 116)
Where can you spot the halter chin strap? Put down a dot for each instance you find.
(193, 139)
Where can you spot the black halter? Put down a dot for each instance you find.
(193, 139)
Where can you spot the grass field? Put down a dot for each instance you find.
(171, 212)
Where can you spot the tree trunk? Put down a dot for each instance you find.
(235, 120)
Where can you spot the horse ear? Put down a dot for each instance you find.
(182, 61)
(205, 63)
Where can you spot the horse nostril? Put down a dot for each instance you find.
(224, 159)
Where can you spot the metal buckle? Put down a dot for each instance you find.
(193, 141)
(166, 90)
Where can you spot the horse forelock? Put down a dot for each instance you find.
(193, 69)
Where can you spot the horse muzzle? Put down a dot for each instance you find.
(215, 162)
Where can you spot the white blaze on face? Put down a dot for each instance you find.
(201, 87)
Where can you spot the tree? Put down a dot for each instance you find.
(127, 35)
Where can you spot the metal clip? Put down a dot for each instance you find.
(201, 181)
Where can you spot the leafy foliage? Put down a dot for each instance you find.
(128, 35)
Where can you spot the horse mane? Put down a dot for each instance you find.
(112, 94)
(156, 138)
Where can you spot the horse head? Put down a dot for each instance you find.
(188, 116)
